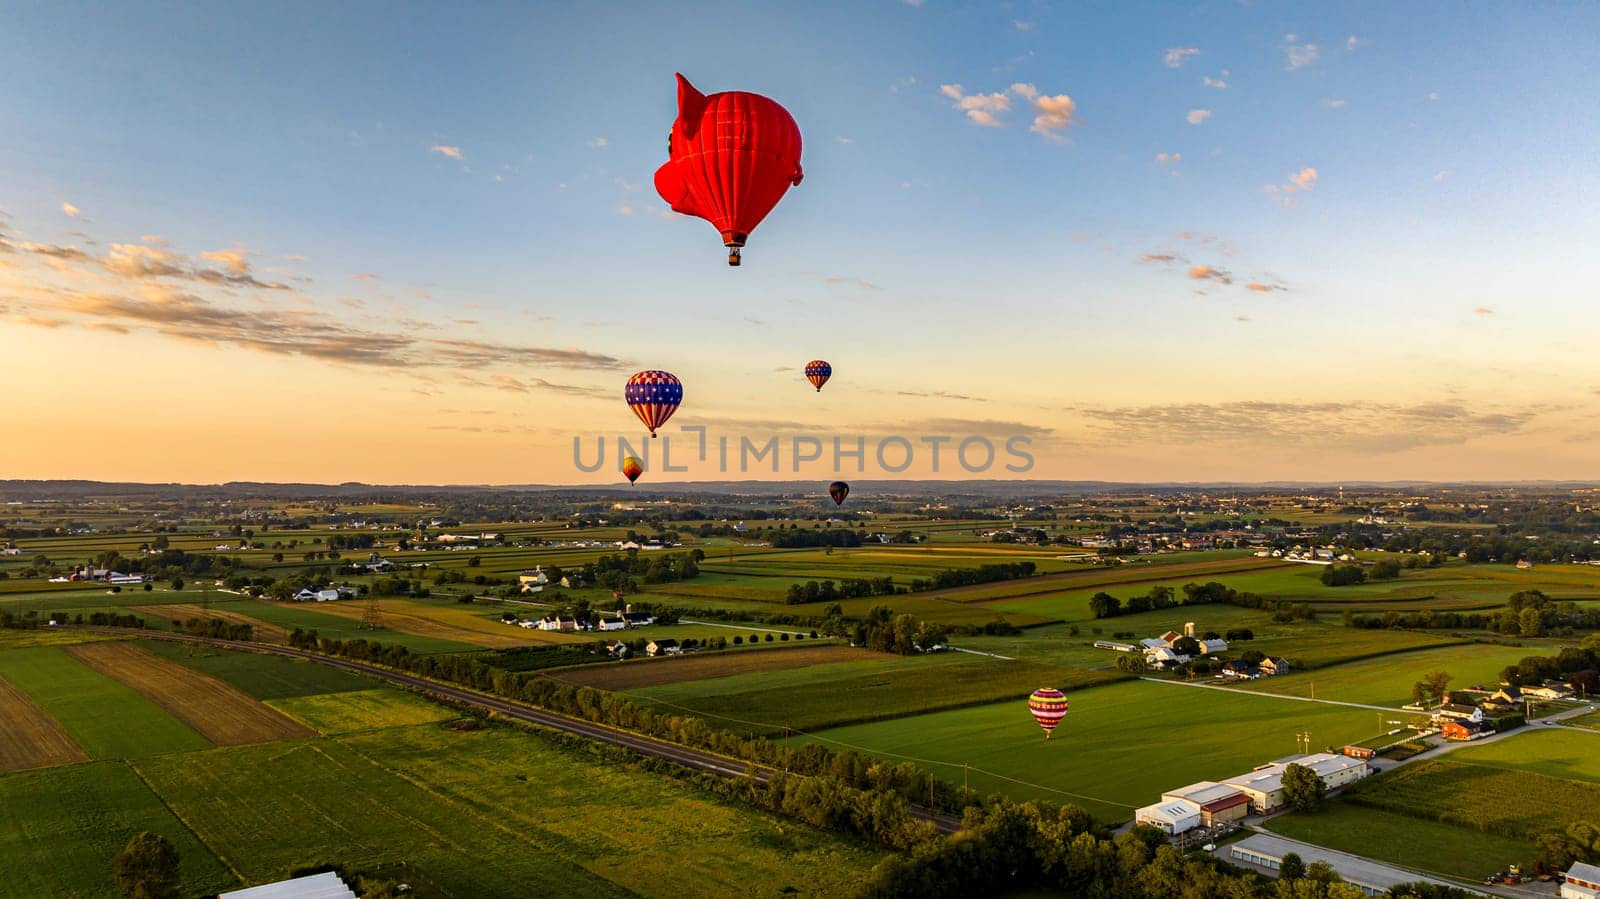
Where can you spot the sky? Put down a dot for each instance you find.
(407, 243)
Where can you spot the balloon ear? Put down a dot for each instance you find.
(691, 105)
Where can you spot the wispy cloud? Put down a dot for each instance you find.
(69, 210)
(1220, 83)
(1175, 57)
(941, 395)
(841, 139)
(1441, 175)
(862, 283)
(1209, 273)
(1361, 426)
(1022, 25)
(1351, 42)
(1264, 286)
(1296, 182)
(1169, 158)
(981, 109)
(1052, 113)
(596, 143)
(1163, 258)
(452, 152)
(154, 240)
(1334, 103)
(532, 385)
(1299, 55)
(1482, 310)
(1196, 116)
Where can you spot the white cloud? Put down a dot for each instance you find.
(1305, 179)
(1055, 113)
(1209, 273)
(1196, 116)
(1023, 26)
(596, 143)
(1220, 84)
(452, 152)
(625, 210)
(1352, 42)
(69, 210)
(1169, 158)
(912, 2)
(980, 108)
(1441, 175)
(1482, 310)
(1334, 103)
(1052, 113)
(844, 140)
(1301, 55)
(1175, 57)
(1433, 95)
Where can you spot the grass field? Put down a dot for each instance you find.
(1387, 680)
(262, 676)
(1514, 802)
(105, 717)
(356, 710)
(288, 616)
(817, 703)
(216, 710)
(1424, 845)
(458, 622)
(60, 828)
(634, 674)
(29, 738)
(1549, 751)
(1590, 721)
(1120, 746)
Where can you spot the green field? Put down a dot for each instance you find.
(355, 710)
(1417, 844)
(109, 720)
(815, 703)
(1590, 721)
(261, 676)
(1387, 680)
(1510, 801)
(1120, 746)
(292, 615)
(1550, 751)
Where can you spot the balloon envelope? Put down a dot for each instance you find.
(1048, 706)
(818, 373)
(632, 469)
(838, 490)
(654, 396)
(731, 158)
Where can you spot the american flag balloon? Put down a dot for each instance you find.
(654, 396)
(1048, 706)
(818, 373)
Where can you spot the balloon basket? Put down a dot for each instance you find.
(733, 256)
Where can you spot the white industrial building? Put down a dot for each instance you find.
(1581, 882)
(1264, 785)
(1174, 816)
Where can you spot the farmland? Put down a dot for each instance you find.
(216, 710)
(1509, 801)
(654, 672)
(1431, 846)
(29, 738)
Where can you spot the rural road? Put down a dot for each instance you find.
(689, 758)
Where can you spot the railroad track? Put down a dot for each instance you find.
(695, 759)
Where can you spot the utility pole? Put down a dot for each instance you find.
(964, 783)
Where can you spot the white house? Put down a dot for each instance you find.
(1172, 816)
(1582, 881)
(666, 647)
(533, 581)
(610, 623)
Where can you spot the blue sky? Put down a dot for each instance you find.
(1409, 187)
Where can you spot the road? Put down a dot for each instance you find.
(695, 759)
(1511, 891)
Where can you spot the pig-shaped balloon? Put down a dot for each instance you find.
(731, 158)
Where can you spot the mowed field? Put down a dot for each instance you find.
(1387, 679)
(1417, 844)
(1120, 746)
(29, 738)
(180, 612)
(216, 710)
(638, 673)
(455, 624)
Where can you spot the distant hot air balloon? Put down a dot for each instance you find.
(654, 396)
(730, 158)
(632, 469)
(838, 490)
(818, 373)
(1048, 706)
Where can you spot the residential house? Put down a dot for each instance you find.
(1582, 881)
(1164, 658)
(668, 647)
(1506, 696)
(610, 623)
(1456, 711)
(1464, 729)
(1241, 670)
(1274, 666)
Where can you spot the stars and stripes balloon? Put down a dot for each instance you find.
(838, 490)
(631, 469)
(1048, 706)
(654, 396)
(818, 372)
(730, 159)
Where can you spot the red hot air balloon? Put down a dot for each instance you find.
(838, 490)
(654, 396)
(818, 373)
(730, 159)
(1048, 706)
(632, 469)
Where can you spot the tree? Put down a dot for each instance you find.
(1104, 605)
(177, 583)
(1343, 575)
(1438, 683)
(1386, 570)
(1186, 646)
(1322, 872)
(1302, 788)
(1420, 693)
(1292, 867)
(1531, 622)
(147, 868)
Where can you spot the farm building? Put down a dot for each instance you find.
(1581, 882)
(638, 619)
(610, 623)
(1460, 729)
(668, 647)
(1274, 666)
(1114, 645)
(1267, 852)
(533, 581)
(1218, 803)
(1549, 691)
(1162, 657)
(1170, 816)
(326, 885)
(1358, 752)
(1212, 647)
(1264, 785)
(1454, 711)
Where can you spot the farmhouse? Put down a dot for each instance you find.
(638, 619)
(1274, 666)
(1547, 691)
(533, 581)
(1464, 729)
(1455, 711)
(668, 647)
(610, 623)
(1582, 881)
(1264, 785)
(1217, 803)
(1162, 657)
(1170, 816)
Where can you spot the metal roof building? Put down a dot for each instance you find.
(326, 885)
